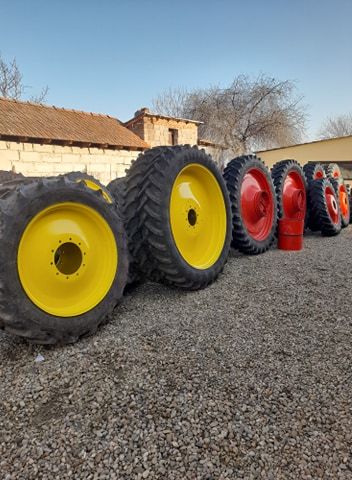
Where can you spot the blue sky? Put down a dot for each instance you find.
(116, 56)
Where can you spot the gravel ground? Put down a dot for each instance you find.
(250, 378)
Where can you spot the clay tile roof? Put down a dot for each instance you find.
(41, 122)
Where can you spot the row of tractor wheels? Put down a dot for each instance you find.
(69, 245)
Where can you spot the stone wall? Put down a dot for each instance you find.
(44, 160)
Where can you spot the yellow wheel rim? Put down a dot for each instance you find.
(95, 186)
(67, 259)
(198, 216)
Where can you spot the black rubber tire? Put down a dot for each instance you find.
(345, 219)
(146, 193)
(233, 175)
(18, 315)
(6, 176)
(319, 211)
(279, 174)
(333, 171)
(116, 188)
(80, 176)
(311, 169)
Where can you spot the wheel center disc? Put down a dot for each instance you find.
(343, 201)
(332, 205)
(257, 204)
(261, 203)
(198, 217)
(298, 200)
(192, 217)
(294, 196)
(68, 258)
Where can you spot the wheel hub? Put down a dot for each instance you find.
(344, 204)
(68, 258)
(294, 196)
(332, 205)
(257, 204)
(261, 203)
(192, 217)
(298, 201)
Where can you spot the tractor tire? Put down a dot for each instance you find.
(313, 171)
(333, 171)
(291, 189)
(177, 216)
(91, 183)
(253, 204)
(63, 260)
(344, 202)
(116, 187)
(324, 207)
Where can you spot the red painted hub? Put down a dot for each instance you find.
(318, 174)
(257, 204)
(294, 196)
(343, 198)
(332, 205)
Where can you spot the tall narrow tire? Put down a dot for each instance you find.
(178, 217)
(116, 188)
(128, 196)
(313, 171)
(343, 200)
(291, 189)
(253, 204)
(333, 171)
(324, 207)
(63, 260)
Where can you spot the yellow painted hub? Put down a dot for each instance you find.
(67, 259)
(198, 216)
(95, 186)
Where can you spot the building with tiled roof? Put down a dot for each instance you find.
(39, 140)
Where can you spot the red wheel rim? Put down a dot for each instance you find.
(331, 203)
(318, 174)
(294, 196)
(257, 204)
(344, 203)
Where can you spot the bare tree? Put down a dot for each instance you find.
(248, 115)
(339, 126)
(11, 83)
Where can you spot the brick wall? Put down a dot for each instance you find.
(44, 160)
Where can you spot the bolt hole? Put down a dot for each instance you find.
(192, 217)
